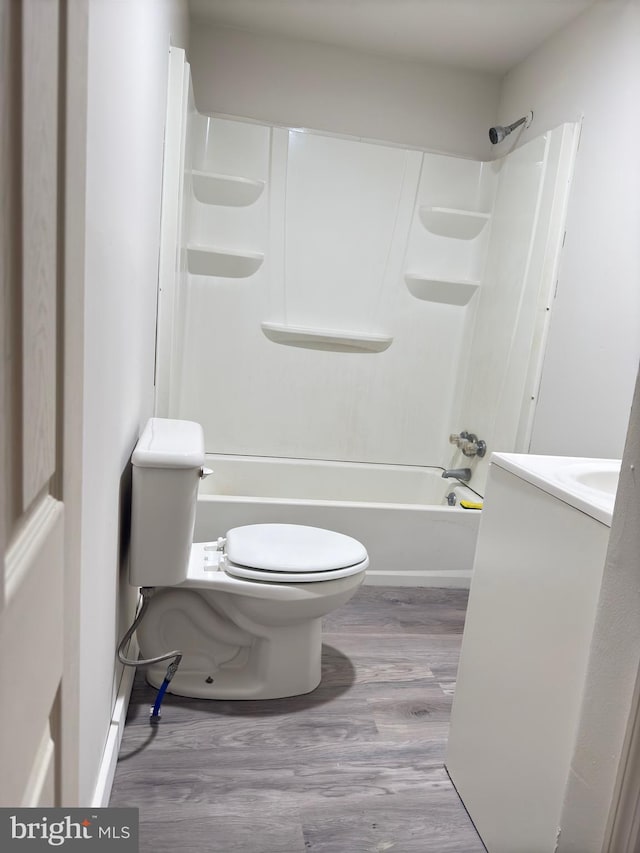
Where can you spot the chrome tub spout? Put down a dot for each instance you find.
(463, 474)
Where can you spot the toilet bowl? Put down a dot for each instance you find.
(245, 611)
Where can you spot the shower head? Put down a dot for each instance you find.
(498, 133)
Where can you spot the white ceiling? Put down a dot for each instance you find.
(485, 35)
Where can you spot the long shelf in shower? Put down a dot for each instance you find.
(222, 263)
(226, 190)
(336, 340)
(444, 290)
(451, 222)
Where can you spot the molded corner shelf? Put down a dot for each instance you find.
(229, 190)
(448, 222)
(444, 290)
(202, 260)
(326, 339)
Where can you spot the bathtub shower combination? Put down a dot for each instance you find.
(332, 309)
(412, 536)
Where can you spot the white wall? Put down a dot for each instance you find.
(609, 702)
(127, 85)
(590, 69)
(303, 84)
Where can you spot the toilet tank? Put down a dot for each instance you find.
(167, 463)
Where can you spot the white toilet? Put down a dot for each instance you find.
(244, 611)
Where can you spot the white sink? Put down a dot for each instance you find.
(589, 485)
(596, 476)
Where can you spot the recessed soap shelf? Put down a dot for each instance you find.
(224, 263)
(326, 339)
(228, 190)
(443, 290)
(450, 222)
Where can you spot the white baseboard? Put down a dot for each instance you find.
(444, 579)
(104, 782)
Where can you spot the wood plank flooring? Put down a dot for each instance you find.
(354, 767)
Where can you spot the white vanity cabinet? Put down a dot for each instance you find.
(532, 606)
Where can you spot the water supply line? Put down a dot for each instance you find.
(147, 592)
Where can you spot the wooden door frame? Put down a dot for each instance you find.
(55, 276)
(72, 230)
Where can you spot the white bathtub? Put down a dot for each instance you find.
(398, 512)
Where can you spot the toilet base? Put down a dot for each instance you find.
(285, 663)
(239, 639)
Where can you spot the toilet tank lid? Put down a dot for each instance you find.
(167, 443)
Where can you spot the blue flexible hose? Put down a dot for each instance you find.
(159, 698)
(171, 671)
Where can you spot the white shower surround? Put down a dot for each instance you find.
(341, 299)
(338, 226)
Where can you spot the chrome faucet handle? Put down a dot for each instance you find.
(474, 446)
(458, 438)
(468, 443)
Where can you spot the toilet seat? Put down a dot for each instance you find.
(268, 576)
(291, 553)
